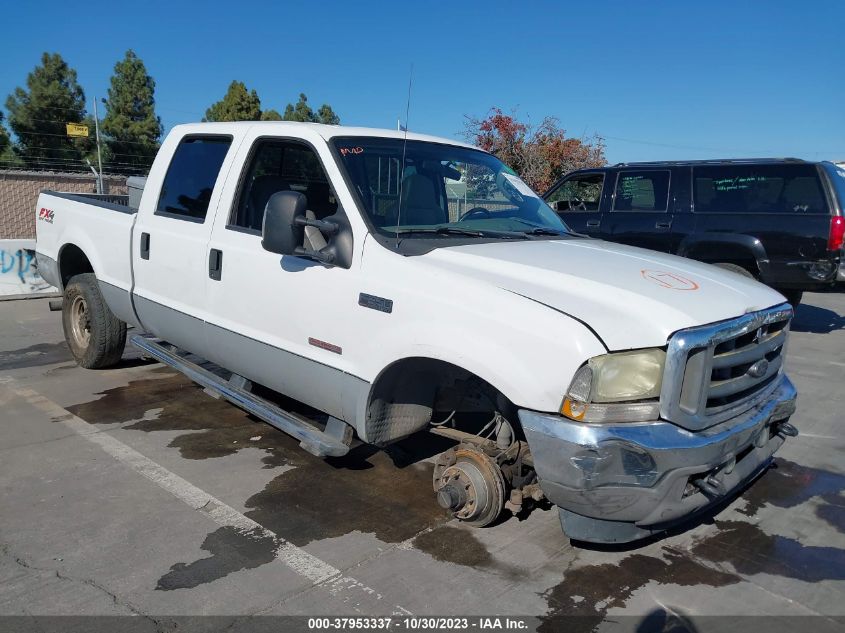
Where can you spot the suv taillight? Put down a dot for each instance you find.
(837, 233)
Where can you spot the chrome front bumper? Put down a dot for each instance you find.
(623, 482)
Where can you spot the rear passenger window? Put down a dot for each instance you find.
(641, 191)
(282, 166)
(191, 176)
(780, 188)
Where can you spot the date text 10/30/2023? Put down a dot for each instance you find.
(422, 623)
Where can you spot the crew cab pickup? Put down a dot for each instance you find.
(400, 283)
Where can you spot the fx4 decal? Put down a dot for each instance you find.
(46, 215)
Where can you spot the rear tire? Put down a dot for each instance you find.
(739, 270)
(95, 336)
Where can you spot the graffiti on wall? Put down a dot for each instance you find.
(18, 272)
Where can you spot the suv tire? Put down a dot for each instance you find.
(95, 336)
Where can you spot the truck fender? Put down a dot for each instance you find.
(412, 393)
(82, 243)
(117, 298)
(535, 380)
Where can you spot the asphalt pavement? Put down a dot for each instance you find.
(129, 491)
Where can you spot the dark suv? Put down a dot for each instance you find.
(779, 220)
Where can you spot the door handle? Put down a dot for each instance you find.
(215, 264)
(594, 224)
(663, 225)
(145, 245)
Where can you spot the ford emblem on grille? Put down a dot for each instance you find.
(758, 369)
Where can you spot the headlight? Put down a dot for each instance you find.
(621, 387)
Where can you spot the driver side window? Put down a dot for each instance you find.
(579, 193)
(281, 166)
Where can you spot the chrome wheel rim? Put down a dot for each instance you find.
(80, 322)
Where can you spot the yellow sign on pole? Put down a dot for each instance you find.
(77, 129)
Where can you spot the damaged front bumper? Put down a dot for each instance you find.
(623, 482)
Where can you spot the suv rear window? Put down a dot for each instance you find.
(758, 189)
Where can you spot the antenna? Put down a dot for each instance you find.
(404, 147)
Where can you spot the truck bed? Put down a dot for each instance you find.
(96, 226)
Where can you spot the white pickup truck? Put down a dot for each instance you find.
(404, 283)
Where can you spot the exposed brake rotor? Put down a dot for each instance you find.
(469, 483)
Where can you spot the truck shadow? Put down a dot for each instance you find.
(816, 320)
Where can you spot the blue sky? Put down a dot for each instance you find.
(657, 80)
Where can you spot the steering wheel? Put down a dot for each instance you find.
(476, 213)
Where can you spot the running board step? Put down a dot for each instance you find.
(333, 442)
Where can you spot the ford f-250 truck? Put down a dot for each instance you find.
(400, 282)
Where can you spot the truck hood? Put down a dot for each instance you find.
(630, 297)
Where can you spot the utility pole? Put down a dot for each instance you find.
(99, 155)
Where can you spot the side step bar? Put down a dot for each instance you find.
(334, 441)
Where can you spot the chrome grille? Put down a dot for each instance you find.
(717, 371)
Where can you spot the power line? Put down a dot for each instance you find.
(705, 149)
(66, 149)
(66, 159)
(58, 122)
(66, 136)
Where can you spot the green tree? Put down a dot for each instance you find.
(302, 112)
(39, 112)
(271, 115)
(8, 158)
(326, 115)
(4, 137)
(237, 105)
(131, 127)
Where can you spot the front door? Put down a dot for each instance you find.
(282, 321)
(577, 201)
(171, 236)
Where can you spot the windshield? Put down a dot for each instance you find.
(446, 191)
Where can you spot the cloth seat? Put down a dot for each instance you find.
(259, 195)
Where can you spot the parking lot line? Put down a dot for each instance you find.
(319, 572)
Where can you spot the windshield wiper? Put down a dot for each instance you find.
(541, 230)
(537, 229)
(454, 230)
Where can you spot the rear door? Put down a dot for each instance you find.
(577, 200)
(782, 204)
(171, 237)
(641, 209)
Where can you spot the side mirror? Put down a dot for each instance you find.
(281, 233)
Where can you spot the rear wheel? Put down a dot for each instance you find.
(95, 336)
(739, 270)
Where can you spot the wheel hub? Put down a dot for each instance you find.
(80, 321)
(470, 484)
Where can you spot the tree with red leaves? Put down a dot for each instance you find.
(539, 154)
